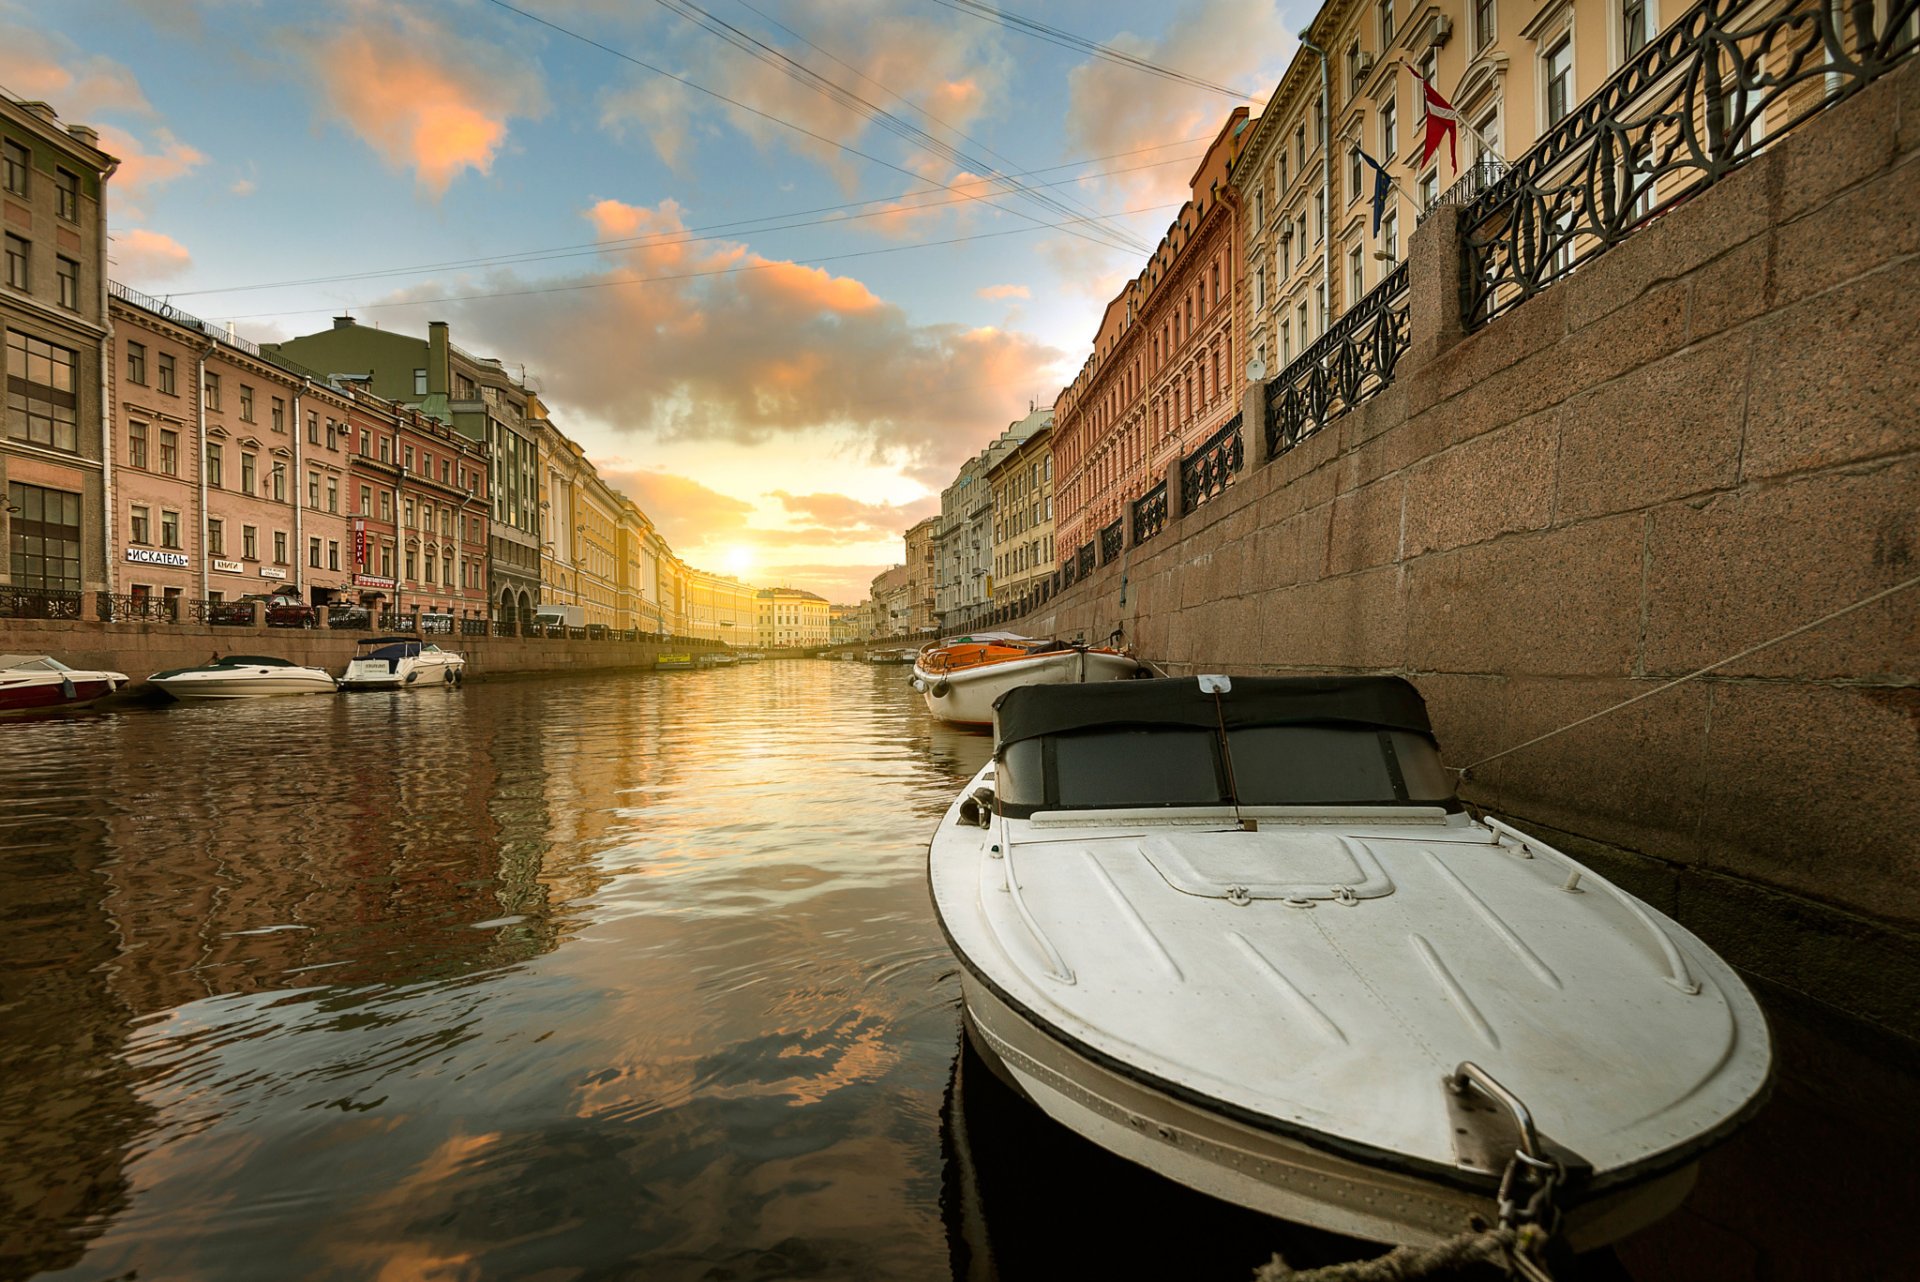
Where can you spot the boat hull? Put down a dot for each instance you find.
(376, 674)
(965, 697)
(39, 691)
(1273, 1174)
(239, 686)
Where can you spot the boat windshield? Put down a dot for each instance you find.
(1300, 764)
(31, 663)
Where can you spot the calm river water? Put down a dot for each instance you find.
(622, 977)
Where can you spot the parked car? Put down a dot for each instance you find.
(349, 614)
(284, 610)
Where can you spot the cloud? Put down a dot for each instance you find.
(853, 519)
(949, 66)
(1112, 108)
(685, 511)
(243, 187)
(46, 66)
(995, 292)
(141, 256)
(424, 97)
(711, 341)
(840, 584)
(143, 169)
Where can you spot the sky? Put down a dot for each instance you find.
(780, 266)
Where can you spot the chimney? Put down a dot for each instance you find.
(43, 110)
(86, 134)
(343, 322)
(438, 379)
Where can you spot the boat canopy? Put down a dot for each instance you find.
(31, 663)
(387, 648)
(1388, 703)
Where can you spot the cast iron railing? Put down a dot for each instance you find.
(1354, 359)
(117, 608)
(160, 307)
(1150, 513)
(1083, 560)
(1708, 94)
(1480, 177)
(1206, 473)
(1112, 538)
(38, 603)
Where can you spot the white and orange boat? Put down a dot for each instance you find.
(961, 677)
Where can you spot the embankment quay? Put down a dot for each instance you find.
(1621, 498)
(139, 649)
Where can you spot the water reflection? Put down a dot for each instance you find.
(553, 978)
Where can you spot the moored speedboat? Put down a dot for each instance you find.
(1242, 932)
(398, 663)
(32, 682)
(243, 676)
(961, 678)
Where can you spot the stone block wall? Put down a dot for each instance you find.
(1700, 440)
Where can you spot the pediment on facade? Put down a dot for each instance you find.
(1482, 81)
(217, 432)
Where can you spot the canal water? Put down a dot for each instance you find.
(624, 977)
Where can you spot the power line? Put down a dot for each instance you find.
(648, 280)
(784, 124)
(1068, 40)
(683, 236)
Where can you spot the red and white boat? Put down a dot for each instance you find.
(30, 682)
(960, 678)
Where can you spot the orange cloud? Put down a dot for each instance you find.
(141, 256)
(141, 170)
(46, 66)
(993, 293)
(423, 97)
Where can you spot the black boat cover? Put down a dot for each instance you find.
(1027, 712)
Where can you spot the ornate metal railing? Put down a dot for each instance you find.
(473, 627)
(1711, 92)
(1150, 513)
(1354, 359)
(1479, 178)
(195, 609)
(1206, 473)
(162, 308)
(38, 603)
(117, 608)
(1083, 561)
(1112, 538)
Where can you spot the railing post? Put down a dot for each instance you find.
(1176, 489)
(259, 613)
(323, 616)
(1436, 286)
(1253, 423)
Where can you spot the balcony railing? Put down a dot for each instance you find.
(1354, 359)
(1150, 514)
(38, 603)
(1715, 89)
(1083, 560)
(167, 311)
(1112, 539)
(1206, 473)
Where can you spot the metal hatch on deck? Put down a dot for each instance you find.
(1267, 865)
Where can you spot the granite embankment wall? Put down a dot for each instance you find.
(139, 649)
(1694, 443)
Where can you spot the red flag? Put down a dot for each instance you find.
(1442, 122)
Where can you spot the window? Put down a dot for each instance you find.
(1300, 148)
(1286, 343)
(366, 441)
(333, 435)
(386, 505)
(1259, 288)
(140, 525)
(1389, 112)
(429, 559)
(246, 403)
(17, 262)
(313, 489)
(1386, 23)
(213, 464)
(385, 450)
(1319, 215)
(279, 414)
(279, 482)
(136, 445)
(66, 195)
(386, 561)
(212, 390)
(407, 509)
(413, 562)
(280, 547)
(169, 452)
(1259, 209)
(67, 272)
(333, 494)
(14, 168)
(1486, 142)
(366, 500)
(1356, 277)
(44, 537)
(419, 382)
(1482, 24)
(443, 471)
(333, 554)
(408, 463)
(1633, 26)
(1354, 65)
(1320, 305)
(164, 371)
(313, 429)
(169, 529)
(137, 363)
(1390, 236)
(1558, 77)
(247, 479)
(1429, 188)
(1429, 68)
(1305, 333)
(1356, 176)
(250, 542)
(313, 553)
(216, 537)
(41, 404)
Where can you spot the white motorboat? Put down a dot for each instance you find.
(400, 663)
(33, 682)
(243, 676)
(961, 678)
(1242, 932)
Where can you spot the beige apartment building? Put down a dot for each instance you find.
(55, 470)
(921, 578)
(1510, 70)
(1022, 481)
(788, 618)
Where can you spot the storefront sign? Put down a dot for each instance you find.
(371, 581)
(269, 572)
(147, 556)
(229, 567)
(359, 540)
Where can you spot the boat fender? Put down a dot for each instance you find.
(412, 677)
(917, 684)
(939, 690)
(447, 677)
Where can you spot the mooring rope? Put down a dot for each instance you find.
(1698, 672)
(1496, 1247)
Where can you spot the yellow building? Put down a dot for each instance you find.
(1022, 481)
(580, 523)
(787, 618)
(715, 607)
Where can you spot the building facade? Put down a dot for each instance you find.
(788, 618)
(715, 607)
(921, 613)
(1161, 379)
(889, 604)
(1022, 484)
(55, 464)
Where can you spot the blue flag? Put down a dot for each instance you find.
(1380, 184)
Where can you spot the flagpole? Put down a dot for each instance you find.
(1459, 120)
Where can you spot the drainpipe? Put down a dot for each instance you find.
(1326, 181)
(110, 517)
(200, 400)
(299, 526)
